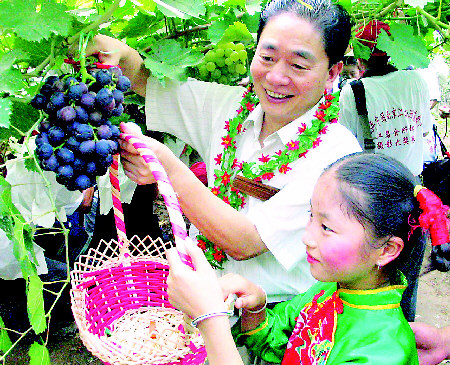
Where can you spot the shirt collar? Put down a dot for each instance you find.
(387, 297)
(285, 133)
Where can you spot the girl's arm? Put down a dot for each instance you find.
(111, 51)
(223, 225)
(199, 292)
(219, 344)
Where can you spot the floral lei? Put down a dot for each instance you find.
(308, 138)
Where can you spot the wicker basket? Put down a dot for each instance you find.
(119, 292)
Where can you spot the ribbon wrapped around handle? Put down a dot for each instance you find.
(170, 197)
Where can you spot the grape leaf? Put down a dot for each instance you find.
(16, 229)
(35, 304)
(184, 9)
(217, 30)
(5, 112)
(137, 25)
(5, 342)
(170, 60)
(22, 17)
(11, 81)
(405, 49)
(237, 32)
(251, 21)
(37, 51)
(24, 116)
(39, 354)
(9, 58)
(360, 50)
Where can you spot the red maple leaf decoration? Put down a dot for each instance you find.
(201, 244)
(320, 114)
(324, 130)
(218, 159)
(284, 168)
(267, 176)
(227, 141)
(226, 178)
(316, 142)
(293, 145)
(219, 255)
(302, 128)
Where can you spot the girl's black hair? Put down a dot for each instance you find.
(329, 18)
(379, 192)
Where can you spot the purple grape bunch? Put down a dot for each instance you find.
(77, 139)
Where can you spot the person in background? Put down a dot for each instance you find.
(356, 238)
(433, 343)
(350, 71)
(398, 119)
(430, 146)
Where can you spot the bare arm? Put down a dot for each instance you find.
(114, 52)
(223, 225)
(433, 344)
(199, 292)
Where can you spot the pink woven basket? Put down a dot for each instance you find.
(119, 291)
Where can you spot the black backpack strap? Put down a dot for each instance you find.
(361, 107)
(444, 151)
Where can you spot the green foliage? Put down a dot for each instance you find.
(5, 342)
(412, 52)
(35, 304)
(170, 60)
(22, 18)
(39, 355)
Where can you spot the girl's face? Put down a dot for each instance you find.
(336, 244)
(290, 68)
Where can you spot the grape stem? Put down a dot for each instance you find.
(84, 41)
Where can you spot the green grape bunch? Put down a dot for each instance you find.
(224, 64)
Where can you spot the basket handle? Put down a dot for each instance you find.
(166, 190)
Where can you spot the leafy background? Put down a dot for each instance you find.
(173, 36)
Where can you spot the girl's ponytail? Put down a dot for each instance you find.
(434, 219)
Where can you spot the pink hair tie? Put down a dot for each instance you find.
(433, 216)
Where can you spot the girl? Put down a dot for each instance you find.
(363, 210)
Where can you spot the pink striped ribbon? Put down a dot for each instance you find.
(166, 190)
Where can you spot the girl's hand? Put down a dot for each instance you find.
(250, 296)
(193, 292)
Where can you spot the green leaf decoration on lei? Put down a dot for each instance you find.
(228, 166)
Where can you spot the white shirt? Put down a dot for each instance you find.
(430, 147)
(196, 112)
(398, 106)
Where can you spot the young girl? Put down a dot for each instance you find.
(363, 210)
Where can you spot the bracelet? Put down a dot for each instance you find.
(262, 308)
(198, 319)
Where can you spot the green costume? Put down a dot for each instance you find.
(327, 325)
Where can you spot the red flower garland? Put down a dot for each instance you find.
(308, 138)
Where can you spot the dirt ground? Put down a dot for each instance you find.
(433, 308)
